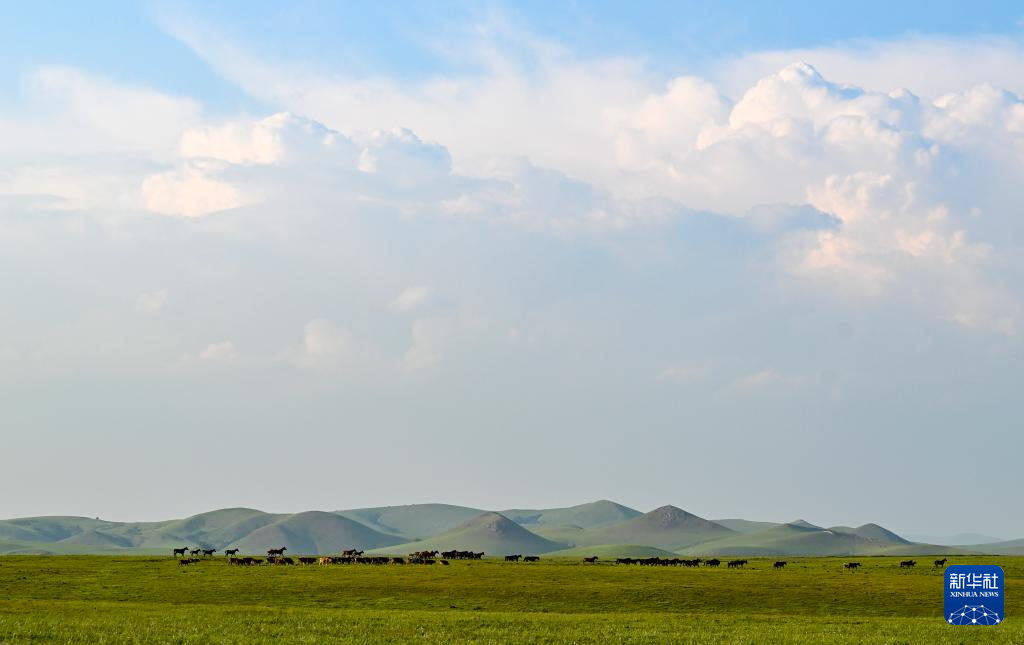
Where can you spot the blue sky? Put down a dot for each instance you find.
(754, 261)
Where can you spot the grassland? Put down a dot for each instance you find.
(104, 599)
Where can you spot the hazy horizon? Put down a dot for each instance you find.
(748, 261)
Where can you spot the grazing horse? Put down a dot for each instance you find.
(532, 558)
(185, 562)
(591, 559)
(907, 564)
(512, 558)
(939, 563)
(852, 566)
(276, 552)
(712, 563)
(209, 552)
(230, 552)
(180, 551)
(779, 564)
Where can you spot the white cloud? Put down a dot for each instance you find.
(328, 346)
(412, 298)
(222, 351)
(188, 192)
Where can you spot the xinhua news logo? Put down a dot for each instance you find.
(974, 594)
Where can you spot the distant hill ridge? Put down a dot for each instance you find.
(602, 528)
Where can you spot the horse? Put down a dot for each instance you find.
(591, 559)
(180, 551)
(939, 563)
(907, 564)
(230, 552)
(779, 564)
(852, 566)
(532, 558)
(195, 551)
(209, 552)
(278, 552)
(712, 563)
(512, 558)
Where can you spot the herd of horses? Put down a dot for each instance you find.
(355, 556)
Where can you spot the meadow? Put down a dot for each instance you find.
(140, 599)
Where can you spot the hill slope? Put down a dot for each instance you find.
(412, 521)
(492, 533)
(587, 516)
(668, 528)
(802, 538)
(745, 526)
(1009, 547)
(314, 532)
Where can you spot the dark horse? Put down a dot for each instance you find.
(939, 563)
(180, 551)
(273, 552)
(230, 552)
(907, 564)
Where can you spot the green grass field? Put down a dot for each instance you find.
(104, 599)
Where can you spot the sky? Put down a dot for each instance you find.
(752, 261)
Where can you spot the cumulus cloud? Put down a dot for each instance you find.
(188, 192)
(329, 346)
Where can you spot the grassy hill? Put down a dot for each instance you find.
(412, 521)
(667, 528)
(745, 526)
(253, 530)
(802, 538)
(314, 532)
(422, 526)
(492, 533)
(1009, 547)
(872, 532)
(592, 515)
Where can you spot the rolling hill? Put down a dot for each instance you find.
(596, 528)
(412, 521)
(745, 526)
(667, 528)
(1009, 547)
(314, 532)
(492, 533)
(587, 516)
(803, 538)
